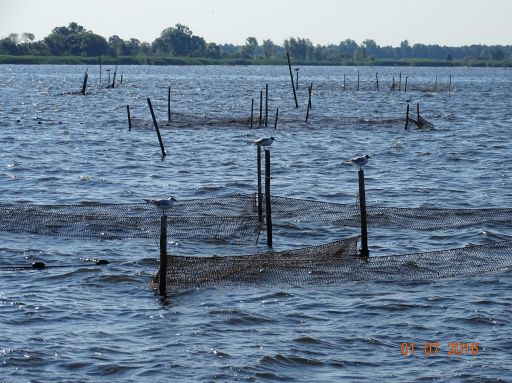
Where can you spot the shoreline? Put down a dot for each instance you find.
(157, 60)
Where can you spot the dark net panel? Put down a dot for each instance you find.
(384, 217)
(211, 218)
(261, 269)
(224, 218)
(333, 263)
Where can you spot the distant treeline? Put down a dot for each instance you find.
(178, 45)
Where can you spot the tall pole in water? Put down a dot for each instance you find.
(268, 208)
(260, 194)
(362, 205)
(162, 287)
(291, 77)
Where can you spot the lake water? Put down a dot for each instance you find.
(79, 323)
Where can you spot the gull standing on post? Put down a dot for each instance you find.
(267, 141)
(359, 161)
(162, 204)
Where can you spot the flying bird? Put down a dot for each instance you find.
(267, 141)
(162, 204)
(359, 161)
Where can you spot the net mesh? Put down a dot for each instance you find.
(260, 269)
(224, 218)
(332, 263)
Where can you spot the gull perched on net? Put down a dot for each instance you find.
(162, 204)
(359, 161)
(267, 141)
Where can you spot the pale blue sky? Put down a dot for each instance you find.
(444, 22)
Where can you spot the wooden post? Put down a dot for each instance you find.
(344, 83)
(357, 80)
(275, 121)
(291, 78)
(268, 209)
(260, 195)
(310, 95)
(266, 104)
(252, 110)
(114, 79)
(296, 78)
(84, 84)
(129, 118)
(405, 87)
(108, 70)
(121, 82)
(362, 205)
(400, 82)
(377, 79)
(450, 84)
(100, 68)
(407, 117)
(169, 106)
(261, 106)
(435, 85)
(418, 114)
(309, 103)
(155, 123)
(162, 288)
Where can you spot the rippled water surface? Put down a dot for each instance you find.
(83, 323)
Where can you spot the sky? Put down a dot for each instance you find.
(388, 22)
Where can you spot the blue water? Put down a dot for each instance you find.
(83, 323)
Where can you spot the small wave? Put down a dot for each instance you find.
(292, 361)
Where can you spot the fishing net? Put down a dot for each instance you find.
(225, 218)
(330, 264)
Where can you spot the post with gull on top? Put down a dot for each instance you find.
(360, 162)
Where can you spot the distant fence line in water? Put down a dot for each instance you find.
(225, 218)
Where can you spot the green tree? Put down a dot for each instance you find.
(249, 48)
(213, 51)
(268, 48)
(179, 41)
(75, 40)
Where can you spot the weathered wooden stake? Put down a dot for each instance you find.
(275, 121)
(84, 84)
(121, 82)
(405, 87)
(169, 106)
(407, 117)
(266, 105)
(114, 79)
(268, 208)
(362, 205)
(344, 83)
(310, 95)
(309, 103)
(435, 85)
(252, 110)
(357, 80)
(400, 82)
(261, 106)
(418, 114)
(260, 195)
(108, 70)
(155, 123)
(129, 118)
(162, 288)
(291, 78)
(450, 84)
(100, 67)
(377, 79)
